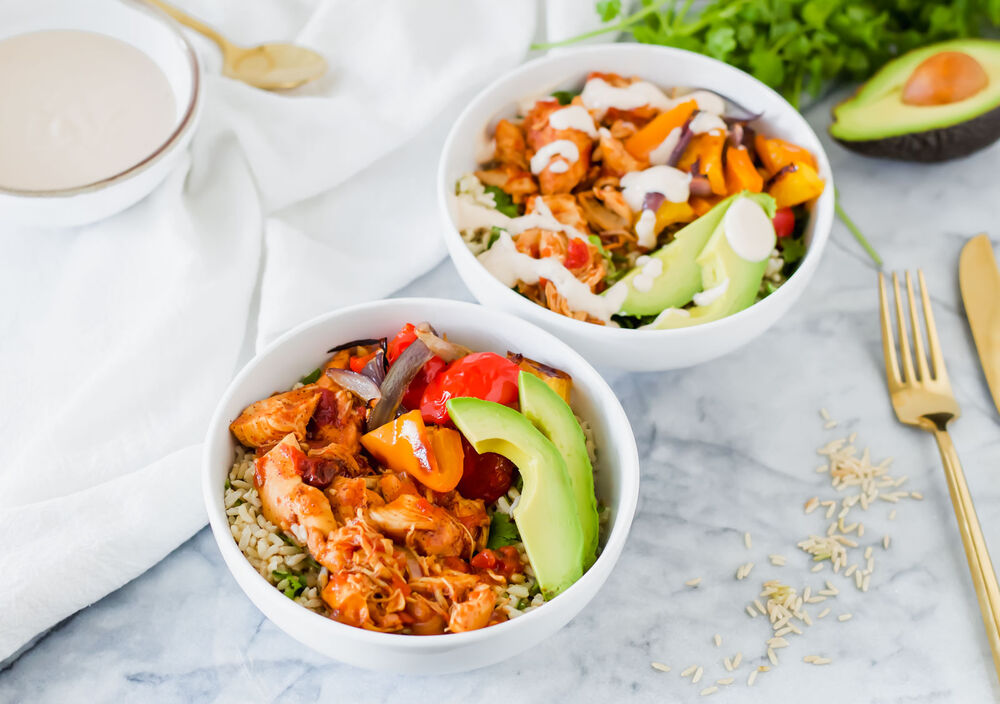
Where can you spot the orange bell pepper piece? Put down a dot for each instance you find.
(656, 130)
(671, 213)
(775, 154)
(796, 186)
(703, 205)
(406, 444)
(740, 172)
(706, 149)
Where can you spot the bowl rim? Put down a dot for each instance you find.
(822, 209)
(605, 400)
(183, 126)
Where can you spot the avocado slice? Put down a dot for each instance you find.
(731, 273)
(546, 514)
(882, 118)
(548, 412)
(681, 276)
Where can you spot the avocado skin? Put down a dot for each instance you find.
(941, 144)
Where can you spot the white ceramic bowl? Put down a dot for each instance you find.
(304, 348)
(639, 350)
(152, 33)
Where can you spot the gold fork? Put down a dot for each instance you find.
(923, 397)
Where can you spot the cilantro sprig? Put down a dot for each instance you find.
(502, 531)
(505, 204)
(798, 46)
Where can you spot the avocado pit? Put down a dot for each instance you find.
(946, 77)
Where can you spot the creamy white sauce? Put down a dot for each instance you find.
(706, 122)
(748, 230)
(704, 298)
(559, 148)
(666, 313)
(661, 153)
(650, 269)
(574, 117)
(673, 183)
(645, 228)
(469, 215)
(509, 266)
(706, 101)
(599, 95)
(76, 108)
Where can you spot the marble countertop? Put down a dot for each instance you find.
(726, 448)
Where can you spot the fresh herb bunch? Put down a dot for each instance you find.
(800, 46)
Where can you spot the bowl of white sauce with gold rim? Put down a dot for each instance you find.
(100, 100)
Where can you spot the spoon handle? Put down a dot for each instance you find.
(189, 21)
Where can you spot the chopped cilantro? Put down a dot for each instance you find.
(287, 540)
(229, 484)
(565, 97)
(311, 377)
(633, 321)
(494, 236)
(294, 586)
(503, 201)
(792, 249)
(502, 531)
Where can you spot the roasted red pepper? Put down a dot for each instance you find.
(504, 561)
(485, 476)
(482, 375)
(784, 222)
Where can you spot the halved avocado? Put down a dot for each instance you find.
(935, 103)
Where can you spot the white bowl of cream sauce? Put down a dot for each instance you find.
(100, 98)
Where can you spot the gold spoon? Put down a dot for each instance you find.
(269, 66)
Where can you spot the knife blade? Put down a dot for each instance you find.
(979, 281)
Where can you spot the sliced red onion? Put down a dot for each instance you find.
(682, 143)
(356, 343)
(358, 384)
(401, 373)
(748, 135)
(786, 169)
(700, 186)
(736, 134)
(695, 167)
(376, 367)
(653, 201)
(448, 351)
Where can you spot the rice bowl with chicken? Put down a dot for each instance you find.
(415, 486)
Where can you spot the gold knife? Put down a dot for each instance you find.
(979, 279)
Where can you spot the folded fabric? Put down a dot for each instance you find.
(119, 338)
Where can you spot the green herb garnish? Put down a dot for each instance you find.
(502, 531)
(504, 202)
(494, 236)
(311, 377)
(632, 322)
(792, 249)
(565, 97)
(294, 586)
(798, 46)
(228, 484)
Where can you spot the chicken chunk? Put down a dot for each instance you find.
(339, 418)
(287, 501)
(515, 181)
(422, 526)
(617, 161)
(267, 421)
(511, 147)
(349, 495)
(539, 132)
(563, 207)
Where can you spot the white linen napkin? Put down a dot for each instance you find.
(117, 339)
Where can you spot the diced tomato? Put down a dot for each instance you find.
(578, 253)
(482, 375)
(358, 363)
(404, 338)
(784, 222)
(504, 561)
(485, 476)
(415, 391)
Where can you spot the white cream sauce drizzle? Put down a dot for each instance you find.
(645, 228)
(673, 183)
(709, 296)
(650, 269)
(560, 147)
(599, 95)
(748, 230)
(574, 117)
(510, 266)
(661, 153)
(706, 122)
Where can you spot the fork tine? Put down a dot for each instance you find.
(937, 359)
(918, 338)
(904, 340)
(888, 344)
